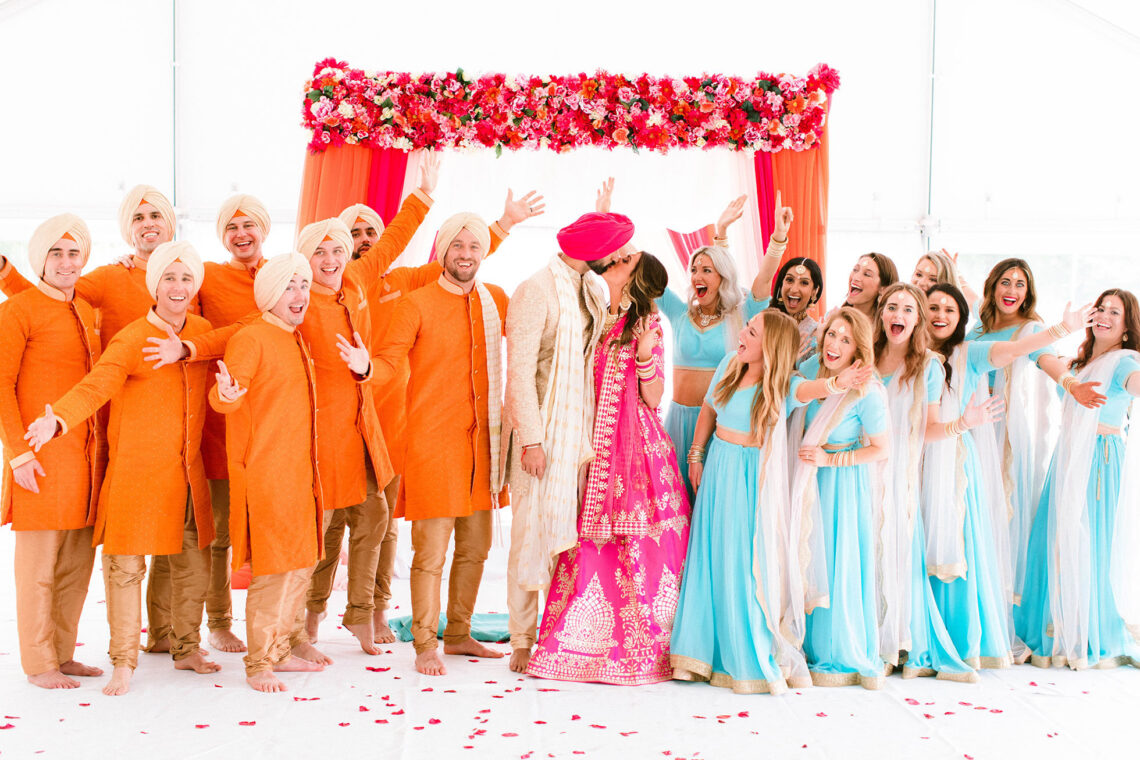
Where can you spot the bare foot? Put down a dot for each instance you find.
(120, 682)
(266, 681)
(53, 679)
(297, 665)
(224, 640)
(198, 663)
(363, 634)
(381, 633)
(429, 663)
(471, 648)
(159, 646)
(312, 622)
(73, 668)
(312, 654)
(520, 658)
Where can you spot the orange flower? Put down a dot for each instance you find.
(797, 105)
(706, 106)
(621, 136)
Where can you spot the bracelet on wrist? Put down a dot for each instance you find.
(832, 385)
(1059, 330)
(1067, 382)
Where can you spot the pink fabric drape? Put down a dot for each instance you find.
(765, 197)
(386, 181)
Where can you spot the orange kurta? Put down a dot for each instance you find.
(154, 438)
(447, 463)
(47, 345)
(275, 498)
(118, 294)
(391, 397)
(226, 296)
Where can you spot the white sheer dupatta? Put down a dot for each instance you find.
(943, 487)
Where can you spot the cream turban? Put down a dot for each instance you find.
(138, 195)
(165, 255)
(453, 225)
(360, 211)
(274, 276)
(51, 231)
(314, 234)
(243, 205)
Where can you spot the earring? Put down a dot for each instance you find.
(626, 301)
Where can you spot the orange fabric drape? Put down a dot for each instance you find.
(333, 179)
(801, 177)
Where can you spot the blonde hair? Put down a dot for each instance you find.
(947, 272)
(780, 347)
(729, 294)
(860, 333)
(919, 339)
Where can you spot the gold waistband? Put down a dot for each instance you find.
(1107, 430)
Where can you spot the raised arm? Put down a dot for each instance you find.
(393, 348)
(1003, 353)
(853, 376)
(770, 264)
(11, 281)
(651, 365)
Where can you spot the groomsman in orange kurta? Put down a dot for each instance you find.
(382, 294)
(451, 334)
(48, 344)
(271, 443)
(154, 499)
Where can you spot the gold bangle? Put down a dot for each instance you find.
(832, 385)
(1067, 383)
(1059, 330)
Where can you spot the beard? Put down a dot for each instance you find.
(598, 266)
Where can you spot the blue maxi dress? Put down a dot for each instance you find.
(720, 632)
(1110, 643)
(931, 652)
(974, 607)
(694, 348)
(842, 640)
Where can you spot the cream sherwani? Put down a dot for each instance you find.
(532, 324)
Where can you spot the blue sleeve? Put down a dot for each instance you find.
(752, 307)
(810, 367)
(792, 402)
(935, 379)
(1124, 369)
(975, 333)
(978, 356)
(671, 305)
(873, 414)
(717, 376)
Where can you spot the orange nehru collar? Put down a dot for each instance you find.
(327, 239)
(67, 236)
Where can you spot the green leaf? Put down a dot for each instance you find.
(529, 112)
(387, 103)
(314, 95)
(755, 117)
(498, 150)
(644, 103)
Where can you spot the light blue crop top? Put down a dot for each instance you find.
(867, 416)
(1119, 399)
(736, 415)
(694, 348)
(1032, 328)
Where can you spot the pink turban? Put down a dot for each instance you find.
(595, 235)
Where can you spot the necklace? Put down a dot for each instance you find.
(704, 320)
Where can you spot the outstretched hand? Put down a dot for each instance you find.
(989, 409)
(43, 429)
(354, 355)
(163, 351)
(228, 389)
(429, 172)
(855, 375)
(515, 211)
(783, 219)
(1078, 319)
(733, 211)
(1086, 395)
(605, 196)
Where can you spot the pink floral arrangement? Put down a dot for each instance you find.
(347, 106)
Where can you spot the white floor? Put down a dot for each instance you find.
(382, 707)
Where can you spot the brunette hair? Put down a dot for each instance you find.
(919, 339)
(888, 273)
(1131, 326)
(647, 282)
(816, 280)
(946, 347)
(987, 310)
(860, 333)
(781, 343)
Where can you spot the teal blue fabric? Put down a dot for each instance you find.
(680, 424)
(693, 347)
(485, 626)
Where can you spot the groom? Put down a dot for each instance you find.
(554, 319)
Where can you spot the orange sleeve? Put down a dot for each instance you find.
(395, 238)
(243, 355)
(11, 281)
(14, 329)
(105, 379)
(498, 235)
(212, 345)
(398, 341)
(91, 286)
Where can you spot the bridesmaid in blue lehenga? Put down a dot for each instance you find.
(706, 325)
(913, 376)
(727, 627)
(844, 441)
(967, 516)
(1081, 581)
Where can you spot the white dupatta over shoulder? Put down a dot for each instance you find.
(1069, 554)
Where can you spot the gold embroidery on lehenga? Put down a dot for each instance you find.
(589, 622)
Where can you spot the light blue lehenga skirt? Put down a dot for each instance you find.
(721, 633)
(842, 640)
(1110, 643)
(680, 424)
(974, 607)
(931, 652)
